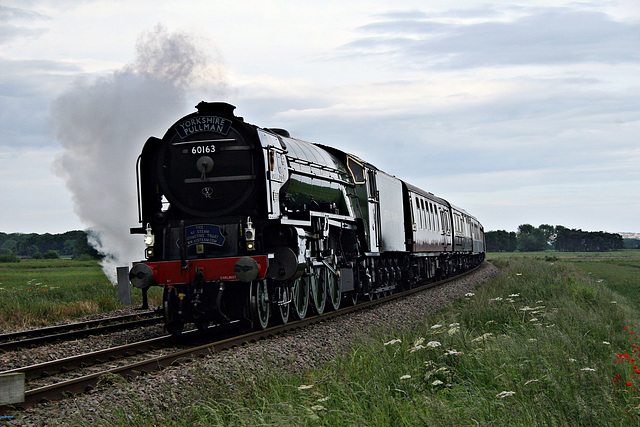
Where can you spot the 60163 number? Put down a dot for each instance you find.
(203, 149)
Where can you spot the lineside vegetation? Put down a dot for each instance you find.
(39, 292)
(545, 343)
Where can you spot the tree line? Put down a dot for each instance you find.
(73, 244)
(548, 237)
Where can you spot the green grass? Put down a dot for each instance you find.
(543, 344)
(41, 292)
(619, 270)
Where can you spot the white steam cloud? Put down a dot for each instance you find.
(103, 123)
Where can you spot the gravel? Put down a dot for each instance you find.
(296, 351)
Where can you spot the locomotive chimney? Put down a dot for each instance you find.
(217, 108)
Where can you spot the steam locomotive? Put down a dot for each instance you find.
(247, 223)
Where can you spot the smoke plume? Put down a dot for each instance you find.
(103, 123)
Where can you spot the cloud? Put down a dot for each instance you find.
(541, 36)
(10, 31)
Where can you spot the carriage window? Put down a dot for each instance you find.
(432, 216)
(373, 190)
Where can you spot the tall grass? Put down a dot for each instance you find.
(543, 344)
(39, 292)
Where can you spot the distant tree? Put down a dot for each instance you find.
(549, 234)
(30, 250)
(51, 255)
(37, 255)
(501, 241)
(10, 257)
(586, 241)
(631, 243)
(531, 239)
(10, 244)
(84, 249)
(71, 243)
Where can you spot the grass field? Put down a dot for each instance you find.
(546, 343)
(619, 270)
(40, 292)
(552, 341)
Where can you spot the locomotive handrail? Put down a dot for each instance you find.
(326, 178)
(138, 188)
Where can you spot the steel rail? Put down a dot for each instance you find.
(88, 382)
(71, 334)
(70, 326)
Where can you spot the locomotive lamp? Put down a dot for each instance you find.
(250, 235)
(149, 241)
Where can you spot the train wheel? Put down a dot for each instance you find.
(300, 297)
(352, 297)
(284, 309)
(173, 323)
(258, 303)
(175, 327)
(333, 288)
(202, 325)
(318, 291)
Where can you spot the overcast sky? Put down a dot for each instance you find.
(518, 112)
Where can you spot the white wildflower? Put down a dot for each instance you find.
(606, 343)
(393, 342)
(600, 280)
(533, 340)
(533, 319)
(514, 295)
(614, 302)
(504, 394)
(469, 294)
(318, 408)
(416, 348)
(305, 387)
(453, 352)
(483, 337)
(405, 377)
(418, 342)
(436, 327)
(572, 360)
(518, 274)
(323, 399)
(588, 369)
(433, 344)
(437, 383)
(454, 330)
(453, 325)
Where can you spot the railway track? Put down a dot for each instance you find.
(156, 353)
(34, 337)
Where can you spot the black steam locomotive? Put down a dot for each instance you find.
(248, 223)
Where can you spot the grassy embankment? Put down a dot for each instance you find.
(544, 344)
(41, 292)
(552, 341)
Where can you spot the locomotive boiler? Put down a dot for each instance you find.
(247, 223)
